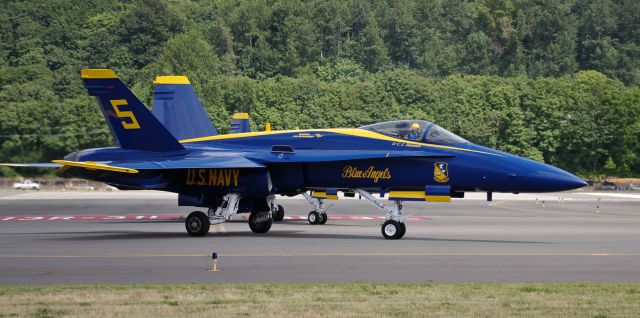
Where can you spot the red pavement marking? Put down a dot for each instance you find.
(90, 217)
(178, 217)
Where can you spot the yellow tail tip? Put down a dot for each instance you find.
(172, 79)
(241, 116)
(97, 73)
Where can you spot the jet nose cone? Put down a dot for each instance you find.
(549, 178)
(568, 182)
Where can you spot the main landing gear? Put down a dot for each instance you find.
(319, 214)
(260, 222)
(277, 211)
(393, 228)
(198, 223)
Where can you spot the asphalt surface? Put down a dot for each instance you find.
(585, 237)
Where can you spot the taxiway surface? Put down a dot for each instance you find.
(139, 237)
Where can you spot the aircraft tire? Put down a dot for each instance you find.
(197, 224)
(323, 218)
(393, 230)
(259, 227)
(313, 217)
(279, 215)
(403, 230)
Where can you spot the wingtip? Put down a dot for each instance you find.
(89, 73)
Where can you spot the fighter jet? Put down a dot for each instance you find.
(403, 160)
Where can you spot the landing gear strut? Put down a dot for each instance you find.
(393, 228)
(319, 214)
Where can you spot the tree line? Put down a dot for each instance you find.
(553, 80)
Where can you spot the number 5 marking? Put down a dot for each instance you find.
(116, 103)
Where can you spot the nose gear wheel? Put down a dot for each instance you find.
(393, 230)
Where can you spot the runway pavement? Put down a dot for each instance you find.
(139, 237)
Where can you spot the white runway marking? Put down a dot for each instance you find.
(613, 195)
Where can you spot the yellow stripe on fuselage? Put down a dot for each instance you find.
(437, 198)
(418, 195)
(343, 131)
(406, 195)
(318, 194)
(324, 195)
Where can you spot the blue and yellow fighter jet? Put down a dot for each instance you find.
(406, 160)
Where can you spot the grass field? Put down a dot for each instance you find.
(327, 300)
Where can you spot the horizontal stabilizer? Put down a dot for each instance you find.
(94, 166)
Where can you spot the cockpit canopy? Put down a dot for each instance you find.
(416, 130)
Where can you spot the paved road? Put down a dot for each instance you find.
(578, 239)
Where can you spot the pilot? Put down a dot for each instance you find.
(415, 132)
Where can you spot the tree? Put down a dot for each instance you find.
(145, 28)
(373, 51)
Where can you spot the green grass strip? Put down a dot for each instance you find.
(324, 299)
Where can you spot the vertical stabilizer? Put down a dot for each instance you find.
(131, 123)
(177, 106)
(240, 123)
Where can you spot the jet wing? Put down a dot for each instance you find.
(342, 155)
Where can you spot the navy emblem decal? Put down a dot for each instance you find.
(441, 172)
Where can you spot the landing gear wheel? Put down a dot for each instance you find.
(278, 215)
(262, 226)
(403, 230)
(393, 230)
(323, 218)
(313, 217)
(197, 224)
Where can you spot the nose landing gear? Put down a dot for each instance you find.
(393, 228)
(319, 214)
(315, 217)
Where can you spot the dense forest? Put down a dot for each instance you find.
(554, 80)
